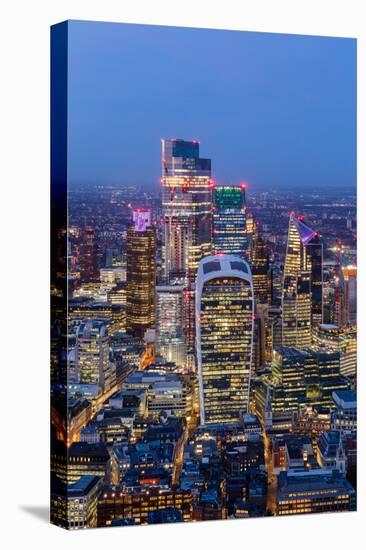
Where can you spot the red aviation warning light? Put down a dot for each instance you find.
(243, 185)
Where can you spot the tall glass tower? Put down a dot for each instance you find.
(186, 201)
(260, 267)
(141, 273)
(224, 328)
(187, 218)
(170, 341)
(229, 223)
(302, 291)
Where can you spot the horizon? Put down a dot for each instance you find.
(285, 113)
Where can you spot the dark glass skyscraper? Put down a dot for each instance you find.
(141, 274)
(88, 256)
(229, 233)
(259, 266)
(187, 219)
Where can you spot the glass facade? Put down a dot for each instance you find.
(187, 219)
(141, 278)
(229, 223)
(224, 317)
(170, 341)
(302, 292)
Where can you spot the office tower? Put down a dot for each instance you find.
(275, 282)
(259, 267)
(170, 342)
(92, 352)
(187, 220)
(263, 338)
(318, 490)
(327, 334)
(229, 225)
(250, 232)
(113, 315)
(288, 369)
(224, 330)
(141, 274)
(323, 375)
(348, 348)
(349, 298)
(88, 256)
(302, 302)
(83, 459)
(344, 340)
(344, 418)
(74, 505)
(296, 310)
(186, 202)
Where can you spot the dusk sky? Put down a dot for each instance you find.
(272, 110)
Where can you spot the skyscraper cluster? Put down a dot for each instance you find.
(209, 359)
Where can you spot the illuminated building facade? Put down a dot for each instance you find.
(224, 329)
(319, 490)
(187, 219)
(349, 298)
(348, 346)
(250, 231)
(88, 256)
(114, 315)
(110, 276)
(186, 203)
(302, 302)
(229, 224)
(323, 375)
(327, 334)
(82, 459)
(288, 369)
(115, 503)
(259, 267)
(343, 340)
(172, 396)
(141, 274)
(170, 342)
(92, 352)
(75, 505)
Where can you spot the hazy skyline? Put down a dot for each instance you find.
(273, 110)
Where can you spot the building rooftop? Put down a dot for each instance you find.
(291, 484)
(345, 398)
(79, 488)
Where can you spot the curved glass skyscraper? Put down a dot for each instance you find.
(224, 337)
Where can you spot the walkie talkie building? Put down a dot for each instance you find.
(224, 337)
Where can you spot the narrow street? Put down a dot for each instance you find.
(191, 426)
(271, 477)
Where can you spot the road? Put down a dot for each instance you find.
(271, 476)
(178, 463)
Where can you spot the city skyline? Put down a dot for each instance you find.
(203, 333)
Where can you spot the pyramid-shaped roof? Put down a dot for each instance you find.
(305, 232)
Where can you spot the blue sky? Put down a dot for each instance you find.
(273, 110)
